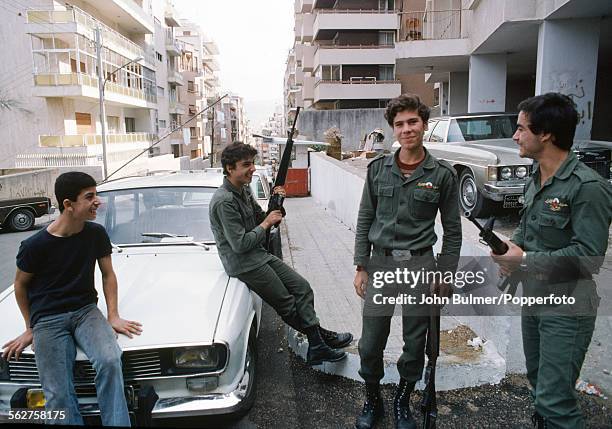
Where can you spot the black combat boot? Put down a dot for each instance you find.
(373, 408)
(539, 422)
(336, 340)
(401, 406)
(318, 351)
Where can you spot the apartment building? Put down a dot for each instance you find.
(487, 55)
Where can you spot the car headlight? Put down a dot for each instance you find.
(506, 173)
(201, 357)
(521, 172)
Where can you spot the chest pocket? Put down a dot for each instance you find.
(248, 215)
(424, 204)
(555, 231)
(385, 198)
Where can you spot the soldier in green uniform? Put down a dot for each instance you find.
(560, 242)
(401, 197)
(239, 226)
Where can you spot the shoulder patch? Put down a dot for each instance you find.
(376, 159)
(586, 173)
(447, 165)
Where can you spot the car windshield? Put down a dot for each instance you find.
(179, 211)
(482, 128)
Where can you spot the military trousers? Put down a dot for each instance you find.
(555, 347)
(376, 323)
(287, 292)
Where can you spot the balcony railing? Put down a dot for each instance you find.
(357, 80)
(432, 25)
(175, 77)
(109, 36)
(361, 11)
(30, 160)
(61, 79)
(80, 140)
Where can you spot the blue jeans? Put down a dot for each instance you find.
(55, 340)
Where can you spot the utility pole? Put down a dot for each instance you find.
(98, 40)
(212, 139)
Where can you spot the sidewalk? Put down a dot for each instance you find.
(320, 248)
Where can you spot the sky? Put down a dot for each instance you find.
(254, 38)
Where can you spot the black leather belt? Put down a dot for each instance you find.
(413, 252)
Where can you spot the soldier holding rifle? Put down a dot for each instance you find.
(401, 197)
(239, 226)
(560, 242)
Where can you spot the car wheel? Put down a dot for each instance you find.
(21, 220)
(470, 199)
(250, 371)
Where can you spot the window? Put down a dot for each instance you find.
(386, 72)
(130, 125)
(386, 4)
(386, 38)
(331, 72)
(160, 58)
(162, 123)
(187, 33)
(439, 132)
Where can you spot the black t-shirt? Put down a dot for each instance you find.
(63, 269)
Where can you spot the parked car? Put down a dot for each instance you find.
(19, 214)
(490, 171)
(198, 348)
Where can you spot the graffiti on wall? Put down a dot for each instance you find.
(572, 85)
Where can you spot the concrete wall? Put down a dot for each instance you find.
(602, 125)
(458, 93)
(38, 182)
(354, 125)
(415, 83)
(517, 91)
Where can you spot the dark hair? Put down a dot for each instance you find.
(235, 152)
(410, 102)
(69, 185)
(552, 113)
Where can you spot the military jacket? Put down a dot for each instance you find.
(234, 219)
(568, 217)
(399, 213)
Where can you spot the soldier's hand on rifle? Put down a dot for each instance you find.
(361, 283)
(443, 289)
(280, 190)
(509, 261)
(272, 219)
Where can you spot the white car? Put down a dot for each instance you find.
(197, 351)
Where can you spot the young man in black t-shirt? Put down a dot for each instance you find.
(54, 288)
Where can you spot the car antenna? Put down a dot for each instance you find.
(165, 136)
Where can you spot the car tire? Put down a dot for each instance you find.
(470, 198)
(251, 369)
(21, 220)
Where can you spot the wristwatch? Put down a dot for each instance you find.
(523, 266)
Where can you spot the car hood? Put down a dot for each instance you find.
(506, 150)
(176, 292)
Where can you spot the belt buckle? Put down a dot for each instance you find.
(400, 255)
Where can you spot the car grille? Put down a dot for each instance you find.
(597, 160)
(137, 365)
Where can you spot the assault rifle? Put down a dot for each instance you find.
(498, 247)
(429, 406)
(276, 200)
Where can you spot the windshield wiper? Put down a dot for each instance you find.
(162, 235)
(169, 235)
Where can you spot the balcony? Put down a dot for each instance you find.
(77, 21)
(303, 6)
(328, 21)
(80, 140)
(176, 108)
(175, 78)
(84, 86)
(174, 47)
(306, 30)
(360, 54)
(433, 40)
(356, 89)
(171, 16)
(128, 14)
(308, 88)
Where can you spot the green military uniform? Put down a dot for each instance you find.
(235, 219)
(398, 213)
(564, 232)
